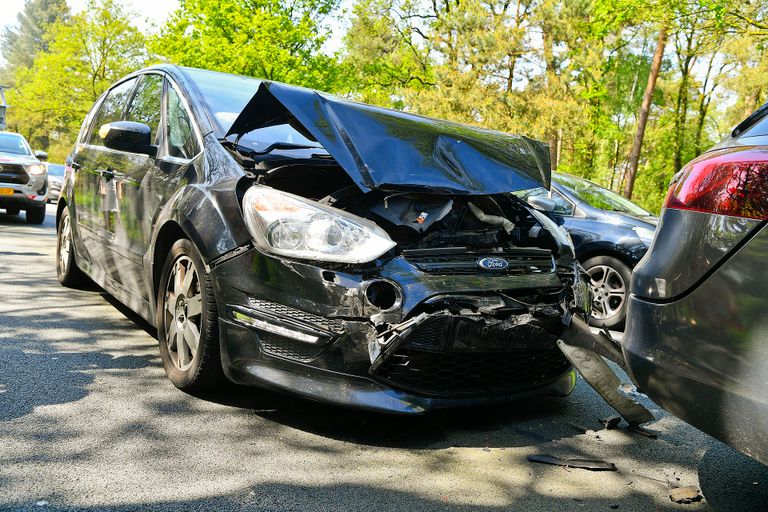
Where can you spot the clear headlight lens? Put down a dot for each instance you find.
(289, 225)
(644, 234)
(36, 169)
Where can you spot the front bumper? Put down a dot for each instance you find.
(31, 194)
(309, 331)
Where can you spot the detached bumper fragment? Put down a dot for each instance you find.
(585, 350)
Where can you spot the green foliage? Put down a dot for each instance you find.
(85, 55)
(272, 39)
(21, 43)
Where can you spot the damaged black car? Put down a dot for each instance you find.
(284, 238)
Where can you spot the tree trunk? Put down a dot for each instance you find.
(549, 61)
(645, 109)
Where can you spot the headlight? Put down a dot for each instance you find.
(644, 234)
(289, 225)
(36, 169)
(560, 234)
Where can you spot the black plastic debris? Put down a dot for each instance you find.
(611, 423)
(593, 465)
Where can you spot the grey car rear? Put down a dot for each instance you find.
(697, 330)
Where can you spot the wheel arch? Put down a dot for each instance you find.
(60, 205)
(596, 251)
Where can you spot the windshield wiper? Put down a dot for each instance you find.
(282, 145)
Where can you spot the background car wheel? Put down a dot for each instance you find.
(36, 215)
(609, 280)
(187, 321)
(66, 268)
(12, 211)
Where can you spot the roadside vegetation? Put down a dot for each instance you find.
(625, 92)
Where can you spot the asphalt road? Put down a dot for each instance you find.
(89, 421)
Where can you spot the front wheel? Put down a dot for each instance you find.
(67, 270)
(12, 211)
(36, 214)
(187, 321)
(609, 281)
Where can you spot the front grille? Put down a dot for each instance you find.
(328, 324)
(455, 355)
(463, 261)
(13, 173)
(467, 373)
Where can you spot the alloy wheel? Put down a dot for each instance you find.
(609, 291)
(183, 312)
(65, 241)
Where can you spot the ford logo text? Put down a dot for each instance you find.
(492, 263)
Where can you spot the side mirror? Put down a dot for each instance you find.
(543, 204)
(41, 155)
(128, 136)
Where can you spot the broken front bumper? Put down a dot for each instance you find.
(312, 332)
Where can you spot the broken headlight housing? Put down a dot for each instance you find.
(289, 225)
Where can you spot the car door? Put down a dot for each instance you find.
(129, 183)
(91, 162)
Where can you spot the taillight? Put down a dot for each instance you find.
(728, 182)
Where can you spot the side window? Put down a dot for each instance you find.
(111, 109)
(145, 104)
(179, 132)
(563, 206)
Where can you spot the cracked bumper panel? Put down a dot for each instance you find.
(312, 337)
(244, 363)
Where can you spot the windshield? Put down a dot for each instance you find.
(226, 96)
(597, 196)
(13, 143)
(55, 170)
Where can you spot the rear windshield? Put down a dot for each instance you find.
(14, 144)
(226, 96)
(597, 196)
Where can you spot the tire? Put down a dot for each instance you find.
(186, 308)
(67, 271)
(611, 295)
(36, 214)
(12, 211)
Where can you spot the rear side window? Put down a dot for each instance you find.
(758, 129)
(145, 105)
(179, 132)
(111, 109)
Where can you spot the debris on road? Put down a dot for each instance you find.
(594, 465)
(611, 423)
(685, 495)
(637, 429)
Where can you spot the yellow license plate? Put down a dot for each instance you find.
(6, 191)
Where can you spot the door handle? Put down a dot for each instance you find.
(75, 166)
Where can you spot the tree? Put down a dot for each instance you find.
(85, 55)
(645, 109)
(272, 39)
(20, 43)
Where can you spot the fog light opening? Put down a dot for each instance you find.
(384, 295)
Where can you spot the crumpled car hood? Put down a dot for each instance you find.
(390, 150)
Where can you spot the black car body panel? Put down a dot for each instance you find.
(596, 231)
(479, 333)
(392, 150)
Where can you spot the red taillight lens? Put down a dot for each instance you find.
(728, 182)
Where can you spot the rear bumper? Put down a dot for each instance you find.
(669, 357)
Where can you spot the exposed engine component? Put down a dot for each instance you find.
(495, 220)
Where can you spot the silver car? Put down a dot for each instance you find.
(23, 178)
(696, 339)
